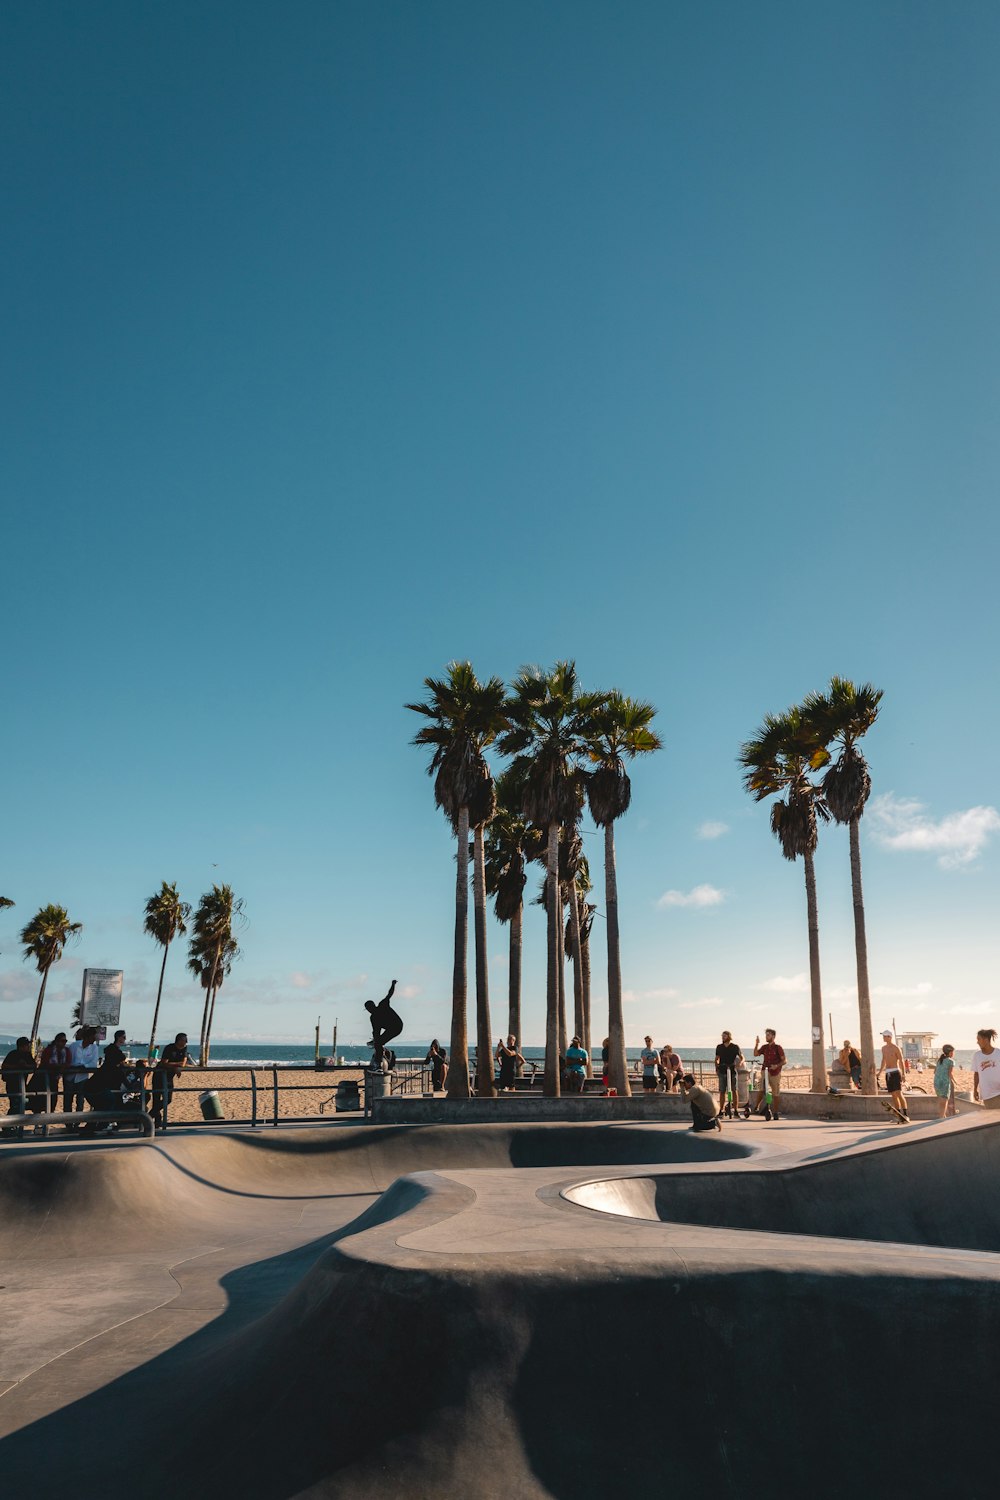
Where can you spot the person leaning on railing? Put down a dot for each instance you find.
(15, 1069)
(173, 1060)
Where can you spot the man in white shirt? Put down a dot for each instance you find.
(986, 1070)
(84, 1055)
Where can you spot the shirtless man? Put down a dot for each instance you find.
(892, 1066)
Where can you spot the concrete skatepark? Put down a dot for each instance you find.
(526, 1310)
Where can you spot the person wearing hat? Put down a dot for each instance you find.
(892, 1066)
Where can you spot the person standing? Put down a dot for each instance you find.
(986, 1070)
(84, 1058)
(892, 1066)
(15, 1068)
(508, 1057)
(52, 1068)
(605, 1063)
(704, 1115)
(650, 1060)
(944, 1082)
(728, 1057)
(438, 1060)
(169, 1068)
(772, 1060)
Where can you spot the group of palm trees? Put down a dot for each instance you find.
(567, 748)
(784, 759)
(212, 949)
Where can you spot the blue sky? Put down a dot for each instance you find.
(341, 340)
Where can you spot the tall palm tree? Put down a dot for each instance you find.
(846, 713)
(620, 731)
(166, 919)
(44, 939)
(549, 716)
(464, 718)
(780, 759)
(213, 949)
(510, 842)
(578, 928)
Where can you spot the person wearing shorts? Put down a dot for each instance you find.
(728, 1057)
(650, 1059)
(892, 1066)
(986, 1070)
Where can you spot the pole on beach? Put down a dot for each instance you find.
(336, 1019)
(318, 1019)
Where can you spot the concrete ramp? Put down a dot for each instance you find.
(360, 1312)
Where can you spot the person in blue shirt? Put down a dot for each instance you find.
(576, 1067)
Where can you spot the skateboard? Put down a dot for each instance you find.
(888, 1105)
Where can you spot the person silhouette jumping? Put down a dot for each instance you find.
(386, 1024)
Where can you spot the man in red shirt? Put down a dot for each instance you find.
(772, 1056)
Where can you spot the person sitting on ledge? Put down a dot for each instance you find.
(704, 1110)
(576, 1067)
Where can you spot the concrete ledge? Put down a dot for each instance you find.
(521, 1109)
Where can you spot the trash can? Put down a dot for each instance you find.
(378, 1084)
(348, 1095)
(211, 1105)
(742, 1086)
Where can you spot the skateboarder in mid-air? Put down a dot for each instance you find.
(386, 1024)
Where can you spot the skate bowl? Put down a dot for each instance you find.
(491, 1311)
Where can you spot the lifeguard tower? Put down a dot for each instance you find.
(917, 1046)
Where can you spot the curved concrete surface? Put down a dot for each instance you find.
(362, 1311)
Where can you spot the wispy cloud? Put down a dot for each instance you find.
(957, 838)
(784, 984)
(699, 896)
(712, 830)
(658, 994)
(710, 1000)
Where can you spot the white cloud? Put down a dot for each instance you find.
(700, 896)
(957, 838)
(970, 1008)
(879, 991)
(781, 984)
(712, 830)
(709, 1000)
(300, 981)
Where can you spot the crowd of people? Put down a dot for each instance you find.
(108, 1082)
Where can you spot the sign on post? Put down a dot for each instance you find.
(102, 997)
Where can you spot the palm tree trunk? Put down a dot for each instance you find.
(585, 965)
(485, 1086)
(514, 981)
(563, 1036)
(574, 941)
(868, 1083)
(208, 1028)
(819, 1075)
(550, 1085)
(458, 1062)
(156, 1008)
(617, 1065)
(37, 1022)
(209, 997)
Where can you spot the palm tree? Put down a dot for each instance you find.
(465, 716)
(213, 949)
(166, 919)
(577, 942)
(620, 731)
(510, 842)
(44, 939)
(779, 759)
(5, 902)
(845, 713)
(548, 723)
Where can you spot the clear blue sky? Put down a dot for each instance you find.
(340, 340)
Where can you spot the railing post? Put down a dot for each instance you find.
(274, 1071)
(253, 1098)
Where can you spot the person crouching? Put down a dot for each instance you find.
(704, 1110)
